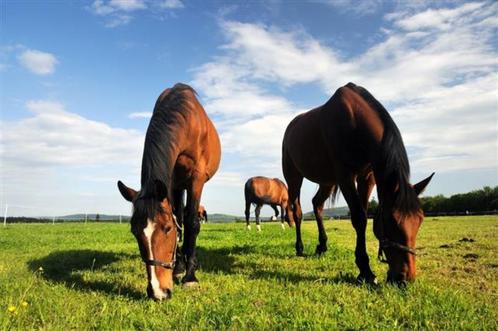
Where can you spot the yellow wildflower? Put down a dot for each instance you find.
(24, 304)
(12, 309)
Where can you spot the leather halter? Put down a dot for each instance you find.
(166, 265)
(384, 242)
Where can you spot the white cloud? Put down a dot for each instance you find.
(228, 95)
(358, 7)
(101, 7)
(172, 4)
(442, 19)
(435, 71)
(120, 12)
(272, 54)
(49, 158)
(38, 62)
(128, 5)
(142, 114)
(56, 137)
(118, 20)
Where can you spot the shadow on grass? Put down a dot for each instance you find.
(66, 266)
(223, 260)
(220, 259)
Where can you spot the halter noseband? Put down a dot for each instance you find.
(166, 265)
(384, 242)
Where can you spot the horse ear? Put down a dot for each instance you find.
(420, 186)
(161, 190)
(127, 193)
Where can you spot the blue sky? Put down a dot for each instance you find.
(79, 80)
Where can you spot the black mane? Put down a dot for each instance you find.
(157, 168)
(393, 158)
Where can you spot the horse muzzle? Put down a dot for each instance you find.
(159, 295)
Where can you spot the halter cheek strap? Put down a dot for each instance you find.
(166, 265)
(386, 243)
(156, 263)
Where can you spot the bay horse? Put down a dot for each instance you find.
(265, 191)
(351, 143)
(181, 152)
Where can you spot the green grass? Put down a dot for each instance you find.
(92, 278)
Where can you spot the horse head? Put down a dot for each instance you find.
(154, 226)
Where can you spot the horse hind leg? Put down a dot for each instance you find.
(318, 201)
(275, 209)
(192, 228)
(257, 212)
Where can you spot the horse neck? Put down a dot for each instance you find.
(158, 164)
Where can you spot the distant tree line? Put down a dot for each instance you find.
(478, 201)
(23, 219)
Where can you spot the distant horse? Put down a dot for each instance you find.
(181, 153)
(265, 191)
(352, 143)
(202, 214)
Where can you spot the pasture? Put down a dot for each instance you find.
(92, 278)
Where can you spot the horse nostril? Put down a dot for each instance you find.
(168, 293)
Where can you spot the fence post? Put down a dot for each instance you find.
(5, 215)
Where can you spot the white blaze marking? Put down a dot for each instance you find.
(154, 282)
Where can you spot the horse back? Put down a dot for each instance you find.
(329, 140)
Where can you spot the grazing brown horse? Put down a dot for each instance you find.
(181, 153)
(265, 191)
(351, 143)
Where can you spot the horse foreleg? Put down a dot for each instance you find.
(248, 214)
(294, 212)
(192, 228)
(298, 216)
(282, 216)
(359, 220)
(318, 202)
(179, 270)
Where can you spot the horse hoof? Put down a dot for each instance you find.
(258, 227)
(369, 280)
(283, 226)
(193, 284)
(320, 249)
(299, 253)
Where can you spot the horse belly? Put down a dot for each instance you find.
(312, 159)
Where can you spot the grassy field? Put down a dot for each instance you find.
(93, 278)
